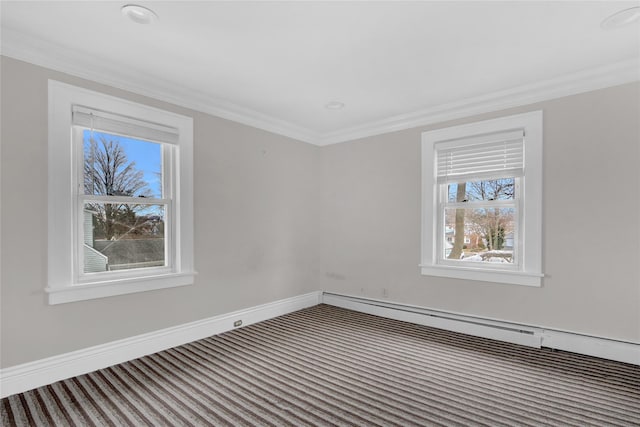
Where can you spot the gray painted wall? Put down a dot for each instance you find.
(275, 218)
(255, 212)
(370, 221)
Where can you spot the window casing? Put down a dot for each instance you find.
(103, 210)
(482, 182)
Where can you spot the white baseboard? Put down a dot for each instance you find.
(489, 328)
(593, 346)
(20, 378)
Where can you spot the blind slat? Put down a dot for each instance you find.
(122, 125)
(509, 147)
(480, 157)
(505, 157)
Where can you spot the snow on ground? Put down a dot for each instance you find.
(493, 256)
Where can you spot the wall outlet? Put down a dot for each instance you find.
(237, 323)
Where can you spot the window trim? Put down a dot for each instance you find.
(529, 273)
(63, 279)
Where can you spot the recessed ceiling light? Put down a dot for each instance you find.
(334, 105)
(139, 14)
(621, 18)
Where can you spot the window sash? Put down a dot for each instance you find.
(517, 251)
(169, 252)
(168, 161)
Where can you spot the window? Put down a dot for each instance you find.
(482, 195)
(120, 196)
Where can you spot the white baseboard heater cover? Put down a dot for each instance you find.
(530, 336)
(513, 333)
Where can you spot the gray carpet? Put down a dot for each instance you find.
(329, 366)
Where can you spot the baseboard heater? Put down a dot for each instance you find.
(503, 331)
(532, 336)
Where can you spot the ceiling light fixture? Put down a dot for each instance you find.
(621, 19)
(139, 14)
(334, 105)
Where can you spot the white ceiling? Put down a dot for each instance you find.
(275, 65)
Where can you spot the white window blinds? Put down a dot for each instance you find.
(480, 157)
(122, 125)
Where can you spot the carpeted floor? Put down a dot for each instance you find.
(329, 366)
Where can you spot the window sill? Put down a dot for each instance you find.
(86, 291)
(484, 275)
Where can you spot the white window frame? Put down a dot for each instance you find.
(65, 279)
(528, 271)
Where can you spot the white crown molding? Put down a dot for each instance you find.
(46, 54)
(20, 378)
(566, 85)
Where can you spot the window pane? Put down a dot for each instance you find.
(123, 236)
(480, 235)
(493, 189)
(119, 166)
